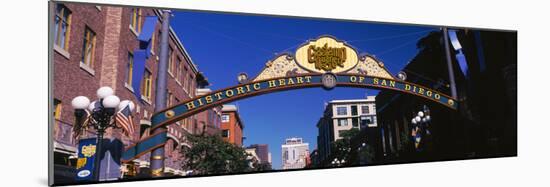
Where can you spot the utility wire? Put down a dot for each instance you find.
(389, 37)
(396, 47)
(234, 39)
(234, 28)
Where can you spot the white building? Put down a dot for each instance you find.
(295, 153)
(252, 157)
(342, 115)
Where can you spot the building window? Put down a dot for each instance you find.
(62, 26)
(178, 69)
(129, 68)
(169, 98)
(225, 133)
(225, 118)
(146, 84)
(88, 49)
(190, 84)
(170, 60)
(144, 131)
(153, 42)
(57, 109)
(365, 121)
(342, 122)
(184, 82)
(355, 122)
(135, 19)
(342, 110)
(354, 110)
(365, 109)
(184, 69)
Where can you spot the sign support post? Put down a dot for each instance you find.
(449, 64)
(157, 155)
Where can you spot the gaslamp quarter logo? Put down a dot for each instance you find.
(326, 54)
(326, 58)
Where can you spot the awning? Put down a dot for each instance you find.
(62, 148)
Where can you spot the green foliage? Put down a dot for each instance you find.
(406, 147)
(212, 155)
(262, 167)
(348, 134)
(366, 155)
(341, 148)
(405, 141)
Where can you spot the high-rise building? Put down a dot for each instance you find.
(262, 150)
(295, 153)
(342, 115)
(232, 125)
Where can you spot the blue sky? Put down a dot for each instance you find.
(224, 45)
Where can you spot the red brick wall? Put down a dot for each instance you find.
(69, 79)
(114, 40)
(235, 129)
(205, 121)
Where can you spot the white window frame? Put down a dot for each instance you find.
(225, 120)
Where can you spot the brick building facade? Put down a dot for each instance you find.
(232, 126)
(93, 47)
(208, 122)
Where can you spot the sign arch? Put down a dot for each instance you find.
(324, 62)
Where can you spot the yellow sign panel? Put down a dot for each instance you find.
(326, 54)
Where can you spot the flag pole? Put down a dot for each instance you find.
(449, 64)
(157, 155)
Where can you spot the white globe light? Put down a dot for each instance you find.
(80, 102)
(132, 106)
(123, 104)
(126, 103)
(91, 107)
(105, 91)
(111, 101)
(417, 118)
(428, 118)
(421, 114)
(413, 121)
(424, 120)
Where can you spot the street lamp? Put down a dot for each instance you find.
(101, 116)
(242, 78)
(421, 124)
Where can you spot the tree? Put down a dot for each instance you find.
(262, 166)
(212, 155)
(341, 148)
(366, 155)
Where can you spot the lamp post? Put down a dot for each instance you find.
(337, 162)
(102, 112)
(421, 124)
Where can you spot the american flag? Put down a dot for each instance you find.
(124, 120)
